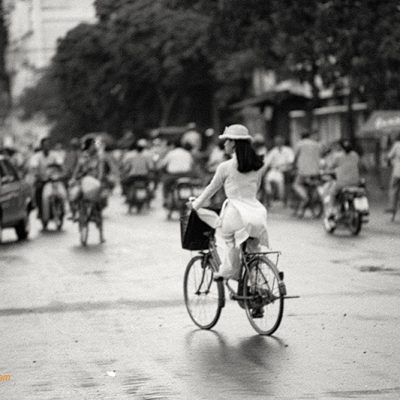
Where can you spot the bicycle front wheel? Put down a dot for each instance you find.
(83, 225)
(204, 297)
(264, 308)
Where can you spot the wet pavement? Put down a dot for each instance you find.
(108, 321)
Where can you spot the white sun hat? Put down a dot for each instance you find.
(235, 132)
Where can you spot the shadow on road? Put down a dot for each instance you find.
(250, 363)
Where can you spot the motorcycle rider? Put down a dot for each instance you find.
(40, 165)
(177, 163)
(136, 165)
(307, 162)
(346, 166)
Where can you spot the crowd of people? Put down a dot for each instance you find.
(285, 170)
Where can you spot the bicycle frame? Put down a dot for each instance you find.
(246, 260)
(211, 255)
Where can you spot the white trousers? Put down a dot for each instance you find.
(231, 223)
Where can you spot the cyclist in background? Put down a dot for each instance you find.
(394, 188)
(90, 163)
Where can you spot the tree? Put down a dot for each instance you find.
(361, 52)
(141, 64)
(160, 51)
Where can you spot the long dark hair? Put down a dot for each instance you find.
(247, 158)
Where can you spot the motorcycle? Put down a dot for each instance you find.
(138, 194)
(53, 198)
(181, 191)
(352, 210)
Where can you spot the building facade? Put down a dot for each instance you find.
(34, 29)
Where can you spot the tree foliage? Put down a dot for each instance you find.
(146, 62)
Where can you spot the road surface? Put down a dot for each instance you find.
(108, 321)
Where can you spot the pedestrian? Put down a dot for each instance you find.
(242, 215)
(394, 186)
(278, 161)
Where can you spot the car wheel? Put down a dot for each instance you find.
(23, 227)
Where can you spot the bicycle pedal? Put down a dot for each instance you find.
(282, 288)
(233, 296)
(257, 313)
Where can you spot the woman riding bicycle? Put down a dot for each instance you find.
(89, 164)
(242, 215)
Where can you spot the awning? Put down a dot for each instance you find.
(382, 122)
(272, 98)
(169, 132)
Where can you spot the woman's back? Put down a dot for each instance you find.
(239, 185)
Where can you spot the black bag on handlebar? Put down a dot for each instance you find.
(195, 234)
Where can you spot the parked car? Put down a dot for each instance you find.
(16, 200)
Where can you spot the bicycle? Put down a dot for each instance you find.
(89, 211)
(261, 289)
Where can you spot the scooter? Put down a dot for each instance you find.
(53, 198)
(181, 191)
(138, 194)
(352, 210)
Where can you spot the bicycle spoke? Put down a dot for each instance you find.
(265, 308)
(202, 294)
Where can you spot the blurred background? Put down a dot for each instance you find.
(72, 67)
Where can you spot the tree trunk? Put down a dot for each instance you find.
(216, 123)
(314, 99)
(166, 102)
(350, 117)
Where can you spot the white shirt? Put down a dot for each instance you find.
(394, 155)
(280, 158)
(40, 163)
(241, 192)
(177, 161)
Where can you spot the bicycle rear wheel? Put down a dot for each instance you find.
(265, 308)
(204, 297)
